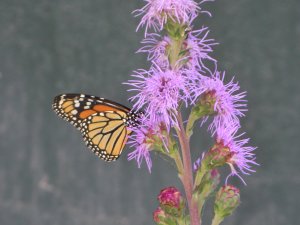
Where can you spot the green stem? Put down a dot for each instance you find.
(200, 205)
(197, 113)
(178, 161)
(200, 174)
(187, 174)
(181, 221)
(175, 155)
(217, 220)
(190, 125)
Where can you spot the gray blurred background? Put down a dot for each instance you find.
(48, 47)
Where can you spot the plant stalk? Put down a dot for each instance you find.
(187, 173)
(217, 220)
(179, 165)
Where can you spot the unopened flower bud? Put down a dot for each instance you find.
(204, 107)
(217, 156)
(227, 200)
(175, 30)
(159, 216)
(171, 201)
(207, 102)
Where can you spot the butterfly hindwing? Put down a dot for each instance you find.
(103, 123)
(105, 134)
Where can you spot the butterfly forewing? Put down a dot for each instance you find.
(103, 123)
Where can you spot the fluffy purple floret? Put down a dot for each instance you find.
(242, 156)
(230, 104)
(198, 47)
(138, 141)
(159, 93)
(143, 139)
(157, 12)
(156, 48)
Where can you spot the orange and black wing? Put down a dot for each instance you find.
(77, 107)
(106, 134)
(103, 123)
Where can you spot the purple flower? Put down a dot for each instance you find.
(156, 48)
(159, 92)
(229, 104)
(197, 48)
(157, 12)
(241, 155)
(142, 141)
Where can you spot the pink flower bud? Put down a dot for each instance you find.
(227, 200)
(171, 201)
(158, 215)
(217, 156)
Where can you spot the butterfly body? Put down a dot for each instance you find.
(104, 124)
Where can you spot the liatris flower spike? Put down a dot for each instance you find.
(183, 76)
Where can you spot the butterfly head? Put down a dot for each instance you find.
(134, 118)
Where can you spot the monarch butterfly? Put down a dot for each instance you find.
(103, 123)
